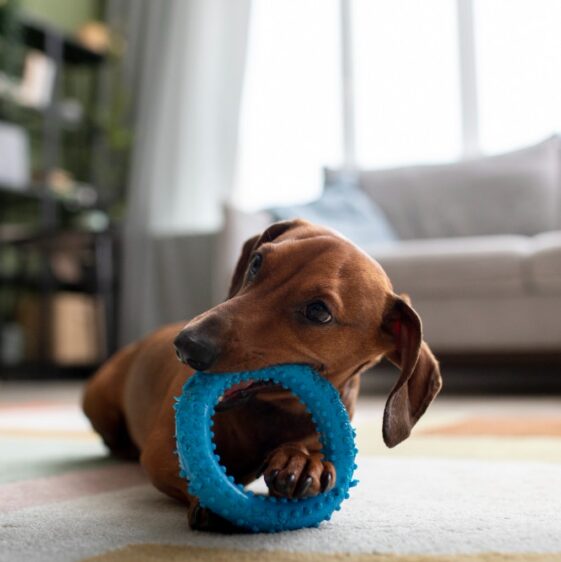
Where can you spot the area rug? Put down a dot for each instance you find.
(479, 481)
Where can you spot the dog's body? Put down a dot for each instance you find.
(300, 294)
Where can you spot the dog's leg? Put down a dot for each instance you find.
(161, 464)
(297, 470)
(102, 404)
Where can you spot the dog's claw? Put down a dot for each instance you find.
(284, 485)
(326, 480)
(303, 487)
(195, 515)
(270, 478)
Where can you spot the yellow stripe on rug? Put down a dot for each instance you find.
(23, 433)
(481, 447)
(169, 553)
(499, 426)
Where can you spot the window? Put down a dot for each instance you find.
(406, 81)
(518, 45)
(412, 81)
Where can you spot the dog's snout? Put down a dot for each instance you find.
(197, 351)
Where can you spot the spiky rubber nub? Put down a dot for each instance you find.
(217, 491)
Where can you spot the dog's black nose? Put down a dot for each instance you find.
(197, 351)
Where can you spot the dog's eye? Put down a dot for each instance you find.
(254, 266)
(318, 313)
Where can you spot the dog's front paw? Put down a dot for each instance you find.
(203, 519)
(291, 471)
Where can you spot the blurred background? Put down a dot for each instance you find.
(142, 142)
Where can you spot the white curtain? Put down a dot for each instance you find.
(184, 156)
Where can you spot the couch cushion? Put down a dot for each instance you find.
(346, 208)
(513, 193)
(454, 267)
(545, 263)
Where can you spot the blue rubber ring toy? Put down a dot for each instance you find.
(207, 478)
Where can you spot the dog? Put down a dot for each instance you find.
(300, 293)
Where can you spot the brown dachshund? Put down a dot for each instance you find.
(300, 294)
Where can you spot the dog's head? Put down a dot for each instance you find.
(301, 293)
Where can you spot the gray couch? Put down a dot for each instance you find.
(479, 248)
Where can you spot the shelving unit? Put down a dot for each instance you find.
(41, 36)
(54, 225)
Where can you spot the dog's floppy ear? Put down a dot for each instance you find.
(272, 232)
(420, 379)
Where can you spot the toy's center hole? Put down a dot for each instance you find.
(252, 419)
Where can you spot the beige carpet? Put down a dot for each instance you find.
(479, 481)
